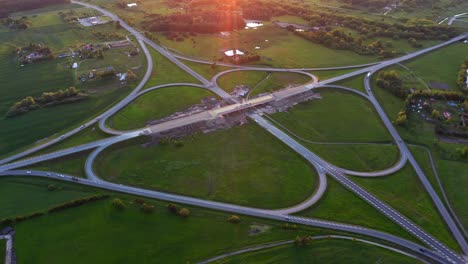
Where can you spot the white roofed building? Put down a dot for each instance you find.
(231, 53)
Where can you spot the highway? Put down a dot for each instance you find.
(385, 209)
(255, 212)
(69, 151)
(443, 254)
(124, 102)
(405, 151)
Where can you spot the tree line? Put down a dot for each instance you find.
(338, 39)
(197, 21)
(418, 29)
(57, 208)
(19, 23)
(30, 103)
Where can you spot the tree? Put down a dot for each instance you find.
(184, 212)
(131, 76)
(234, 219)
(465, 105)
(118, 204)
(51, 187)
(401, 119)
(172, 208)
(463, 151)
(139, 201)
(435, 114)
(301, 241)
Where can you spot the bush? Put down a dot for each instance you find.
(118, 204)
(184, 212)
(172, 208)
(139, 201)
(234, 219)
(147, 208)
(51, 187)
(77, 202)
(290, 227)
(301, 241)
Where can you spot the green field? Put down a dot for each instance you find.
(278, 47)
(324, 75)
(22, 196)
(155, 105)
(164, 71)
(261, 82)
(89, 134)
(454, 179)
(229, 81)
(356, 83)
(206, 70)
(278, 81)
(451, 57)
(243, 165)
(340, 205)
(31, 80)
(71, 165)
(334, 118)
(404, 192)
(321, 251)
(357, 157)
(87, 229)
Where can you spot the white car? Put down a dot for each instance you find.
(28, 172)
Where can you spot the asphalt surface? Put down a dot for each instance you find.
(8, 248)
(441, 253)
(405, 151)
(236, 209)
(111, 111)
(385, 209)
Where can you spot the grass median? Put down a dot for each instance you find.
(243, 165)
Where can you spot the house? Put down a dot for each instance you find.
(231, 53)
(447, 115)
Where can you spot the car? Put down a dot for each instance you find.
(82, 126)
(368, 74)
(287, 218)
(62, 136)
(75, 179)
(48, 174)
(61, 176)
(28, 172)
